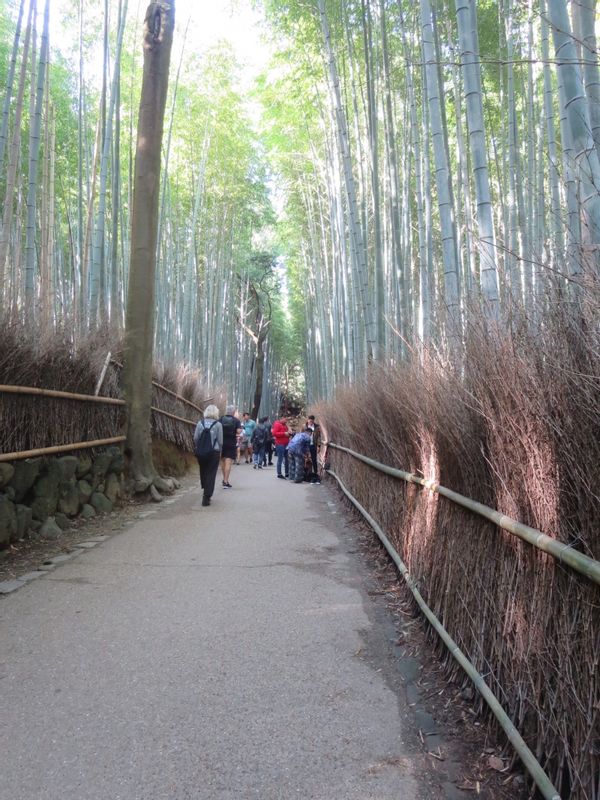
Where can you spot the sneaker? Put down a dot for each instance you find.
(206, 501)
(223, 484)
(282, 477)
(227, 486)
(259, 466)
(255, 467)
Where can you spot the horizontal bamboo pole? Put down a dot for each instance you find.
(562, 552)
(86, 398)
(173, 416)
(61, 448)
(170, 391)
(530, 762)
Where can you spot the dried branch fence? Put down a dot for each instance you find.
(165, 423)
(522, 606)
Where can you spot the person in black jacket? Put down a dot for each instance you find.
(230, 425)
(268, 456)
(259, 441)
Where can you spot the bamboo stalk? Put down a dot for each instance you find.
(88, 398)
(62, 448)
(102, 375)
(527, 757)
(562, 552)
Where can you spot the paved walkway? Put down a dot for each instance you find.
(220, 653)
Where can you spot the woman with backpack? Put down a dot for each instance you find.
(208, 441)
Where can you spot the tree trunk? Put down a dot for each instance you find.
(139, 328)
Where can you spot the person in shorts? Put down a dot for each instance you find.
(248, 424)
(231, 425)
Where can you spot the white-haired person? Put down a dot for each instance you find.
(208, 441)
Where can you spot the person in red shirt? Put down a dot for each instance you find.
(281, 432)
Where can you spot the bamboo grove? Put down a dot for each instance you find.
(426, 159)
(67, 145)
(443, 161)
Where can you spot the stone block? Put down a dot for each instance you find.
(6, 587)
(44, 507)
(84, 465)
(9, 491)
(24, 518)
(8, 521)
(24, 477)
(117, 464)
(6, 473)
(62, 521)
(50, 530)
(101, 464)
(85, 492)
(46, 485)
(68, 498)
(112, 487)
(67, 466)
(87, 512)
(101, 503)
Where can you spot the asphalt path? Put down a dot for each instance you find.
(225, 652)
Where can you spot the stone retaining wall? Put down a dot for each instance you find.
(38, 496)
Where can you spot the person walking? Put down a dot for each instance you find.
(231, 425)
(268, 456)
(297, 449)
(281, 436)
(258, 441)
(249, 425)
(208, 440)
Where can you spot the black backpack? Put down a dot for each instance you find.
(260, 435)
(203, 445)
(229, 426)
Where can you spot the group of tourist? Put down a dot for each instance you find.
(225, 439)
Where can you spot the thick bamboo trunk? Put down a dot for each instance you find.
(139, 337)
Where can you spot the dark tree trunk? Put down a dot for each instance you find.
(139, 326)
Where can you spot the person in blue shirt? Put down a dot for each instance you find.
(298, 447)
(248, 425)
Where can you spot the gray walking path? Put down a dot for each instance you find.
(229, 652)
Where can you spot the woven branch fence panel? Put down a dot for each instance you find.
(528, 623)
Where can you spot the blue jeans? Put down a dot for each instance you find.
(258, 453)
(282, 458)
(296, 462)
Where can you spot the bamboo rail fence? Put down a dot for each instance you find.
(61, 448)
(564, 553)
(85, 398)
(528, 759)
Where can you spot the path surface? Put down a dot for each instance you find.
(231, 652)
